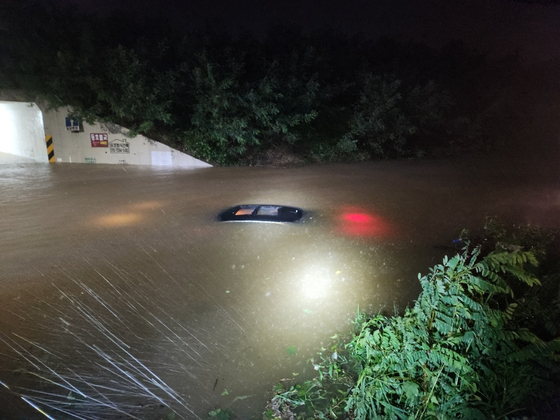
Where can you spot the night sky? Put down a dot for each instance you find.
(494, 26)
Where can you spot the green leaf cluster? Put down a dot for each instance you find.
(234, 118)
(387, 114)
(458, 353)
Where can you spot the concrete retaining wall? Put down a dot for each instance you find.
(24, 127)
(110, 143)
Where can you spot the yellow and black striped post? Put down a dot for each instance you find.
(50, 148)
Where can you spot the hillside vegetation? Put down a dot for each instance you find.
(291, 96)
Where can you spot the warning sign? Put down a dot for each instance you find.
(99, 139)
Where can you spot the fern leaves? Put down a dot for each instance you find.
(442, 357)
(456, 354)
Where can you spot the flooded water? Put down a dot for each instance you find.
(121, 294)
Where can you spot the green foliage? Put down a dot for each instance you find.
(378, 117)
(387, 114)
(234, 118)
(538, 307)
(457, 353)
(318, 97)
(127, 91)
(73, 60)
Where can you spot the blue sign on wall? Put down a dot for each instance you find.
(72, 125)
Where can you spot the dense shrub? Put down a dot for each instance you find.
(459, 352)
(231, 100)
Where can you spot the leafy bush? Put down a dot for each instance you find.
(457, 353)
(538, 308)
(234, 119)
(387, 114)
(230, 100)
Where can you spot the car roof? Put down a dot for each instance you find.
(261, 213)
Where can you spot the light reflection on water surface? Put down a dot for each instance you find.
(103, 262)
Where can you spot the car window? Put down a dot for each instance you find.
(268, 211)
(245, 211)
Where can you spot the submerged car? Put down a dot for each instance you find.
(261, 213)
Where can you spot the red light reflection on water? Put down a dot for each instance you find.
(358, 217)
(355, 221)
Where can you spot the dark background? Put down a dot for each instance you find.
(528, 27)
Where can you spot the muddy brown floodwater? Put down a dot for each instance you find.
(120, 293)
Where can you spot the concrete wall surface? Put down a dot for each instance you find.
(21, 131)
(110, 143)
(24, 126)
